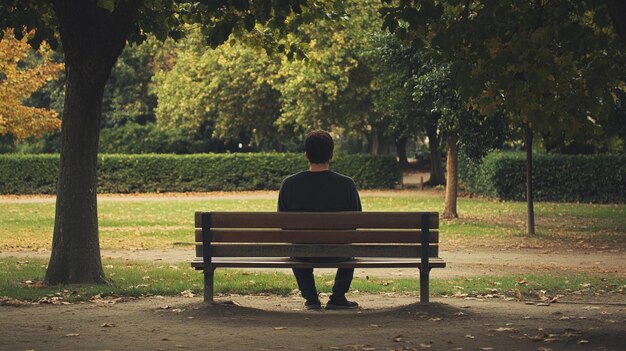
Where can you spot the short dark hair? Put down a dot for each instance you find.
(319, 146)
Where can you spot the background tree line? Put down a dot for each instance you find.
(372, 88)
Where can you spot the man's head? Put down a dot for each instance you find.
(319, 146)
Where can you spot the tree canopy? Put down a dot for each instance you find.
(18, 81)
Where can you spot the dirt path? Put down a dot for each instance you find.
(386, 322)
(460, 263)
(231, 195)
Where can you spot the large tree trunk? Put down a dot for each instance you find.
(452, 183)
(436, 164)
(401, 151)
(92, 39)
(529, 180)
(75, 247)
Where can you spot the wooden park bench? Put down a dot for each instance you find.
(271, 239)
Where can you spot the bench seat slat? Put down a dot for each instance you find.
(282, 262)
(316, 250)
(313, 236)
(318, 220)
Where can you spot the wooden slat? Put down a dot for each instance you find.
(264, 262)
(318, 220)
(317, 236)
(309, 250)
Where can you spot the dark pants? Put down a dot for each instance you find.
(306, 282)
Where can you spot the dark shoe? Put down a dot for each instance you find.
(341, 304)
(312, 305)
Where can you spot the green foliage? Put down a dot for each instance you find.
(226, 92)
(550, 64)
(137, 139)
(331, 87)
(129, 94)
(579, 178)
(28, 174)
(36, 174)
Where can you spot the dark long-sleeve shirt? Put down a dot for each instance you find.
(324, 191)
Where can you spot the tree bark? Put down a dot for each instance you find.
(383, 143)
(92, 39)
(452, 183)
(373, 142)
(75, 247)
(436, 164)
(529, 181)
(401, 151)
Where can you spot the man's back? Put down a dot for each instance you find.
(324, 191)
(320, 190)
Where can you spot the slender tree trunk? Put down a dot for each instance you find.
(383, 143)
(436, 164)
(401, 151)
(529, 180)
(92, 38)
(373, 142)
(452, 183)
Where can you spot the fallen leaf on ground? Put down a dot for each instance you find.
(72, 335)
(187, 293)
(503, 329)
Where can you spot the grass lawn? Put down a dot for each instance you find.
(168, 222)
(21, 279)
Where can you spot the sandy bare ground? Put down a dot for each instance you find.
(460, 263)
(387, 322)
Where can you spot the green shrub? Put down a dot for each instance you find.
(36, 174)
(145, 139)
(575, 178)
(28, 174)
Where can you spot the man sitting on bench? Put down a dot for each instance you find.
(320, 190)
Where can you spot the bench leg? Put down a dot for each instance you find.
(208, 284)
(424, 286)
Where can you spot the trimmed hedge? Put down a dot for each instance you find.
(573, 178)
(37, 174)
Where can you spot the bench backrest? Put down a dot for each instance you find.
(317, 234)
